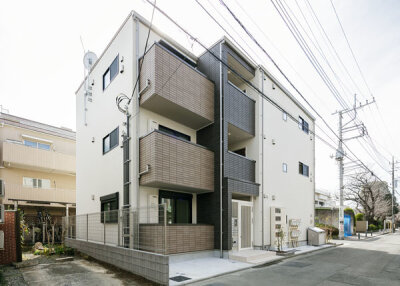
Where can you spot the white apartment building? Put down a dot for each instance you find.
(188, 113)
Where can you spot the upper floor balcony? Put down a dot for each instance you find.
(22, 156)
(173, 163)
(171, 87)
(15, 192)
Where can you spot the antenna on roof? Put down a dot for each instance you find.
(89, 59)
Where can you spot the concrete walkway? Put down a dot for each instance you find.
(207, 267)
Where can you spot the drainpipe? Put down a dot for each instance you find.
(221, 148)
(262, 158)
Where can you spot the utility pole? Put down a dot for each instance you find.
(393, 194)
(343, 128)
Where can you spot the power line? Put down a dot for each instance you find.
(351, 50)
(280, 70)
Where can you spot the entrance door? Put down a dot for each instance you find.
(243, 234)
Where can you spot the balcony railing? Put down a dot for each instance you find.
(169, 162)
(39, 195)
(21, 156)
(172, 88)
(239, 167)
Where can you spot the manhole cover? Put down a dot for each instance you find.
(296, 264)
(179, 278)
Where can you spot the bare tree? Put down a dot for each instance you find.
(372, 197)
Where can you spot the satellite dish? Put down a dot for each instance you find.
(89, 59)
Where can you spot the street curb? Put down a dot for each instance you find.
(275, 261)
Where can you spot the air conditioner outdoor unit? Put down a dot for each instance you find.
(2, 188)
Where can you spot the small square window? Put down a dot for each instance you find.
(284, 167)
(111, 72)
(303, 169)
(111, 140)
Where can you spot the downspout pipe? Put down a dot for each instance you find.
(262, 160)
(221, 149)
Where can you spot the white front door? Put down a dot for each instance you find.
(242, 216)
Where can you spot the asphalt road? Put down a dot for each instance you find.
(374, 261)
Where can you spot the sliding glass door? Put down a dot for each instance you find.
(179, 206)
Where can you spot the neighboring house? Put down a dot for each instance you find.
(37, 169)
(173, 152)
(325, 199)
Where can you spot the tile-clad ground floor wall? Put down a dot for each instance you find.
(12, 239)
(180, 238)
(152, 266)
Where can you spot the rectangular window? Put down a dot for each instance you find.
(33, 144)
(111, 72)
(179, 206)
(30, 143)
(109, 208)
(36, 183)
(174, 133)
(303, 125)
(303, 169)
(284, 167)
(44, 146)
(111, 141)
(284, 115)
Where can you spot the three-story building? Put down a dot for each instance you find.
(199, 135)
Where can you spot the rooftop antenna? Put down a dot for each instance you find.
(89, 59)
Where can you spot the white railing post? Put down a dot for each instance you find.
(104, 224)
(119, 228)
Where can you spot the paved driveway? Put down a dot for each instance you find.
(372, 262)
(77, 272)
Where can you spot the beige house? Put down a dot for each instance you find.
(37, 169)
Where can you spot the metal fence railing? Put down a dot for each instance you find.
(141, 228)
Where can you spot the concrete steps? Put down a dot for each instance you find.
(252, 256)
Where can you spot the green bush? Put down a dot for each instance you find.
(335, 230)
(359, 217)
(372, 227)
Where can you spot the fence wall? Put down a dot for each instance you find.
(120, 228)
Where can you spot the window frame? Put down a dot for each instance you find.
(284, 167)
(108, 137)
(174, 133)
(162, 194)
(108, 71)
(284, 116)
(303, 125)
(109, 199)
(304, 169)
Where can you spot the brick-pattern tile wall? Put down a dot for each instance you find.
(180, 238)
(10, 252)
(175, 81)
(175, 163)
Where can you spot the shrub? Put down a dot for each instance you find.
(372, 227)
(335, 230)
(359, 217)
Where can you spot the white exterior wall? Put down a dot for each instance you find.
(99, 174)
(291, 191)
